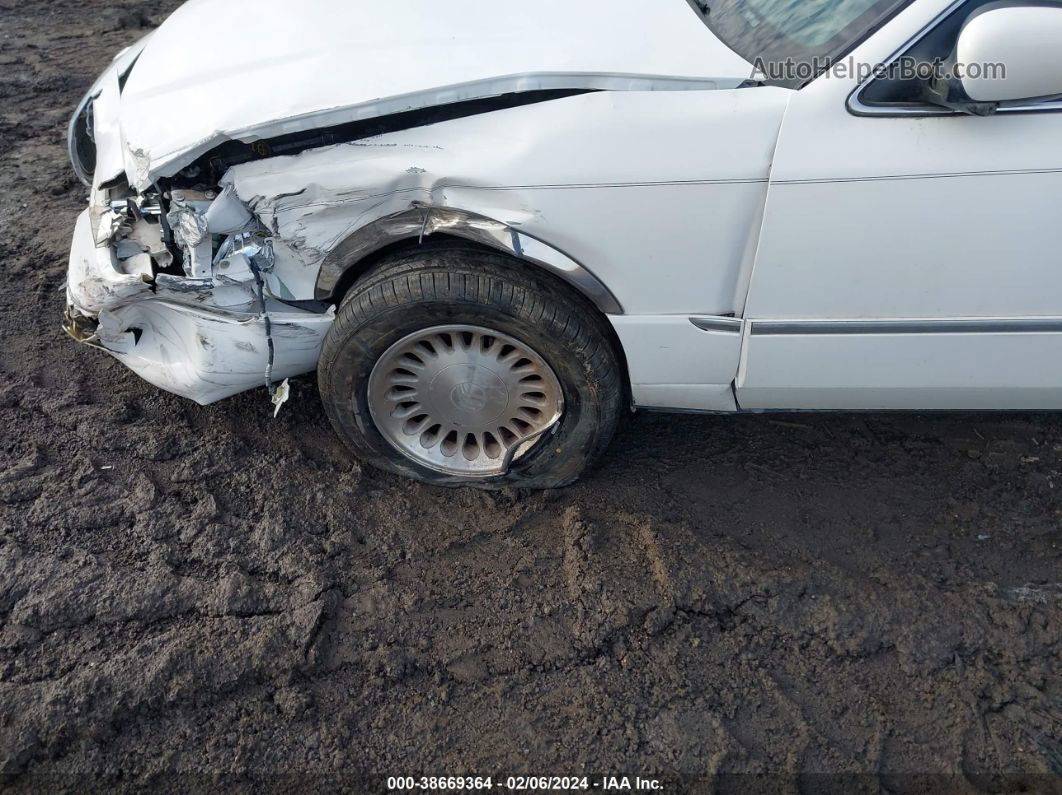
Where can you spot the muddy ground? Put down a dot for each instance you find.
(853, 603)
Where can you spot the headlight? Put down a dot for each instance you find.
(81, 143)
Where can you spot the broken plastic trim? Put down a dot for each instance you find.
(420, 222)
(80, 328)
(233, 153)
(259, 281)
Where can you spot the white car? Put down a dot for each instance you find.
(494, 227)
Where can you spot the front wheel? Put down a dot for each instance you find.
(459, 367)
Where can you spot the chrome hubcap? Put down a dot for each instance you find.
(464, 400)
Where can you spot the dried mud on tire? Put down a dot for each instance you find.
(861, 602)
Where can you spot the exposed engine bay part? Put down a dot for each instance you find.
(187, 221)
(161, 237)
(421, 222)
(205, 325)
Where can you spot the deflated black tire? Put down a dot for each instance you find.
(462, 367)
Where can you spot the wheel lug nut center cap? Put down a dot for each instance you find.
(475, 396)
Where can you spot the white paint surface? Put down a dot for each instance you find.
(674, 364)
(903, 371)
(922, 218)
(278, 68)
(1025, 40)
(206, 355)
(666, 227)
(682, 194)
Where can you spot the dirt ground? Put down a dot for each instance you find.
(195, 596)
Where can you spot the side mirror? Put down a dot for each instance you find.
(1011, 54)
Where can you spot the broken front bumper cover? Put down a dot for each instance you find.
(172, 331)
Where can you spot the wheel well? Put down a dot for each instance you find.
(359, 270)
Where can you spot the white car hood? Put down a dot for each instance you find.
(217, 71)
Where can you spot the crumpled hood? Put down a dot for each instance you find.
(222, 70)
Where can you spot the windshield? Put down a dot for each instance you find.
(805, 34)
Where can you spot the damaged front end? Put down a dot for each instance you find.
(228, 213)
(180, 285)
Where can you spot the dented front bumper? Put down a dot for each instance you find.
(203, 339)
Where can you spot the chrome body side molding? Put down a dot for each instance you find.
(419, 223)
(779, 328)
(722, 325)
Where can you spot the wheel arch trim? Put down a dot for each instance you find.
(422, 221)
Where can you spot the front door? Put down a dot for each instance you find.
(910, 257)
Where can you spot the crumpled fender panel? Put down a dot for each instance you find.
(625, 187)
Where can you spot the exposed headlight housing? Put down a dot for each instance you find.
(81, 143)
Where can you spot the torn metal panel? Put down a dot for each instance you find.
(205, 335)
(338, 62)
(227, 215)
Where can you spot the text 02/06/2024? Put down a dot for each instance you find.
(523, 783)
